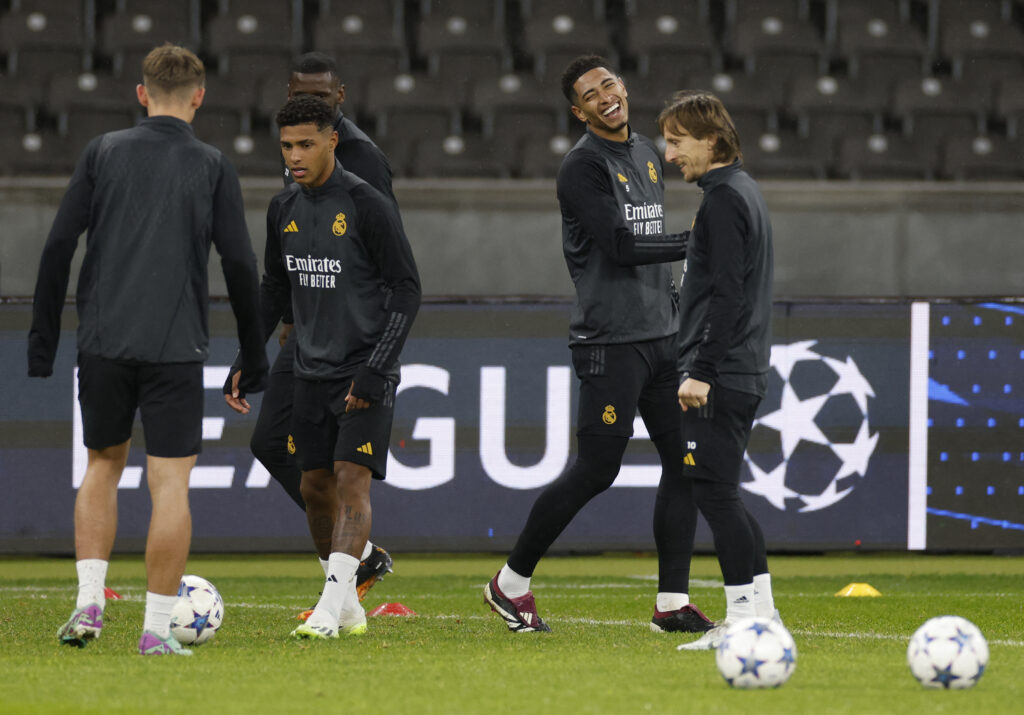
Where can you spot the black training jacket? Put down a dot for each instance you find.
(726, 295)
(359, 155)
(340, 254)
(611, 196)
(152, 198)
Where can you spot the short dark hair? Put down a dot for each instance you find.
(579, 67)
(701, 114)
(305, 109)
(315, 63)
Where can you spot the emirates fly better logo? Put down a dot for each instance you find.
(811, 445)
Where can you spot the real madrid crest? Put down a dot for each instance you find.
(339, 226)
(609, 415)
(652, 173)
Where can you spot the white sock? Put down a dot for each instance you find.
(668, 601)
(739, 602)
(325, 565)
(92, 577)
(764, 603)
(340, 572)
(158, 613)
(352, 612)
(512, 584)
(367, 550)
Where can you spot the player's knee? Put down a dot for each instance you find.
(353, 480)
(597, 474)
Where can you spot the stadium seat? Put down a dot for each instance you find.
(90, 103)
(518, 105)
(775, 47)
(752, 101)
(137, 26)
(554, 33)
(255, 39)
(782, 155)
(982, 45)
(255, 154)
(463, 40)
(42, 153)
(882, 156)
(932, 109)
(1009, 106)
(226, 110)
(365, 39)
(827, 108)
(985, 158)
(20, 100)
(414, 105)
(663, 37)
(647, 96)
(456, 156)
(44, 38)
(878, 40)
(541, 156)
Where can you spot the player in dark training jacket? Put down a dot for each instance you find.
(623, 340)
(725, 343)
(338, 255)
(316, 75)
(153, 198)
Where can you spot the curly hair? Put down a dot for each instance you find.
(305, 109)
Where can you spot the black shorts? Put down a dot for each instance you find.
(617, 379)
(168, 396)
(716, 435)
(324, 433)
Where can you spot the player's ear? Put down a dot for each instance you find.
(197, 97)
(578, 113)
(333, 141)
(142, 95)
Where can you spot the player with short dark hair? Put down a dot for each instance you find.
(623, 340)
(152, 198)
(338, 255)
(315, 74)
(724, 343)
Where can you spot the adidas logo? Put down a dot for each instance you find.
(527, 617)
(689, 460)
(366, 449)
(742, 599)
(332, 579)
(291, 228)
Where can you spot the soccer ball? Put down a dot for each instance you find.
(756, 653)
(198, 613)
(947, 652)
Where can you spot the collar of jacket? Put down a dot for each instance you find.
(332, 181)
(611, 145)
(164, 122)
(720, 175)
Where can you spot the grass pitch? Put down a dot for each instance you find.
(455, 656)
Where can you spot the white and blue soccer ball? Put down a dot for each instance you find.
(756, 653)
(947, 652)
(199, 611)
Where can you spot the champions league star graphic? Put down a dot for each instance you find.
(812, 441)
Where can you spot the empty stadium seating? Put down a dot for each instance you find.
(925, 89)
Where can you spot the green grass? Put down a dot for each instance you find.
(456, 657)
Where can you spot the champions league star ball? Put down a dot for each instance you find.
(947, 652)
(756, 653)
(811, 443)
(198, 613)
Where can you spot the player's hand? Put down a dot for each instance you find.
(286, 330)
(235, 400)
(693, 393)
(354, 403)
